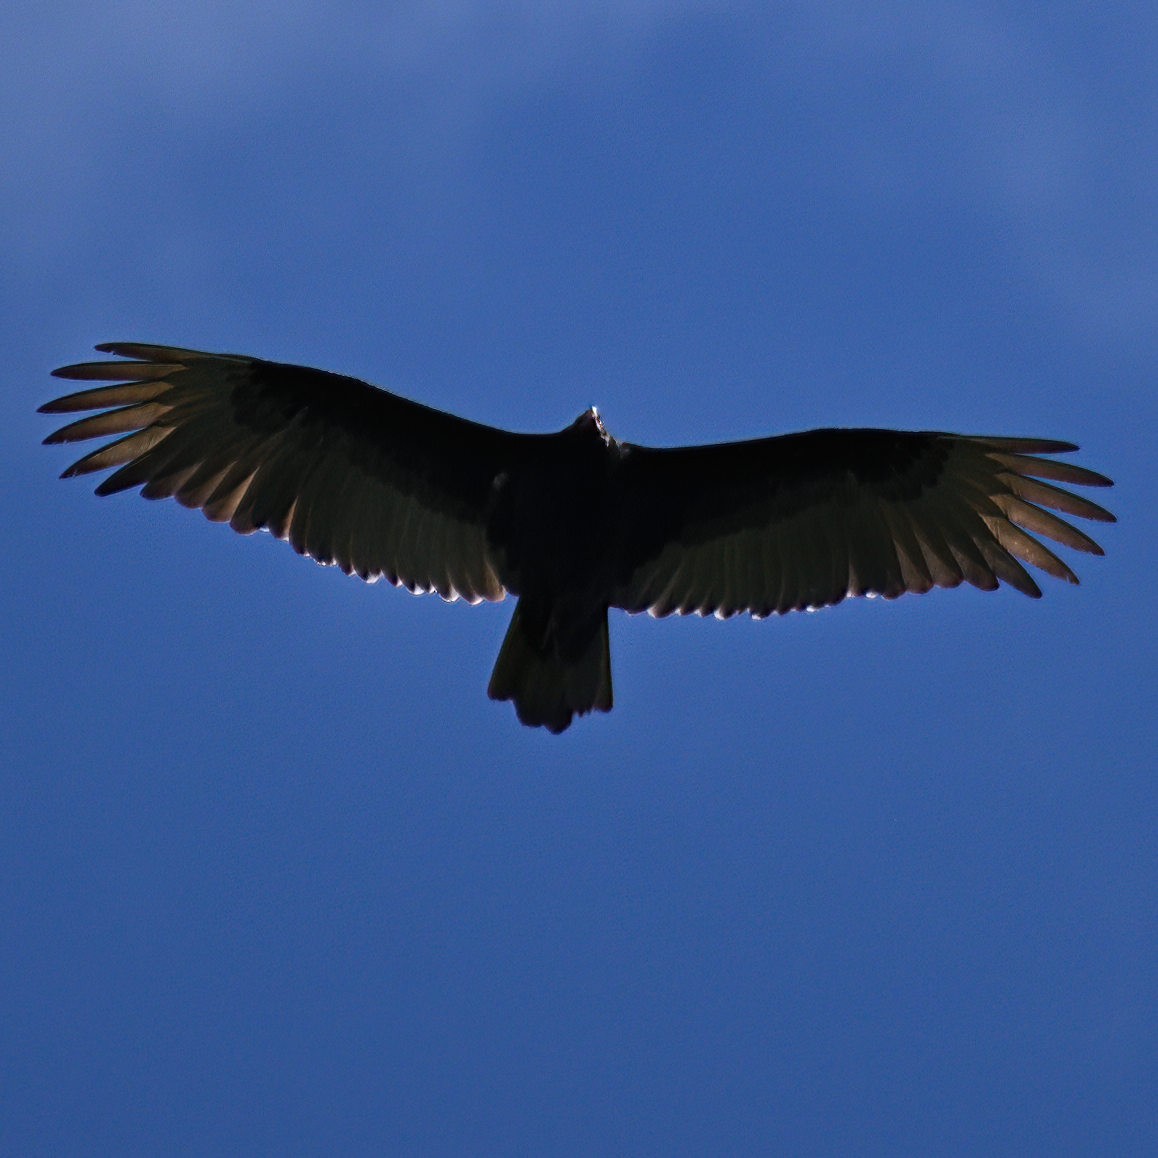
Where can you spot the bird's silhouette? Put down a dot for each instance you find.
(577, 522)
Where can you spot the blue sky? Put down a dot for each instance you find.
(279, 878)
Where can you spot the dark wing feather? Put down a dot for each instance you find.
(348, 473)
(804, 520)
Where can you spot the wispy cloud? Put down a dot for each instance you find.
(1027, 129)
(89, 85)
(1045, 121)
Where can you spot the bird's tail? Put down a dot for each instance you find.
(552, 675)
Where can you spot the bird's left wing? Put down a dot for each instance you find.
(804, 520)
(347, 473)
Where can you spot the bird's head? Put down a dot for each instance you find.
(589, 423)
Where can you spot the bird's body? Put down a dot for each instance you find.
(577, 522)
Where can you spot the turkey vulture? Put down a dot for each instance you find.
(575, 522)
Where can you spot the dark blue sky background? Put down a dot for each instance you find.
(277, 877)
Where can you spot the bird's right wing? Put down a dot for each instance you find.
(347, 473)
(804, 520)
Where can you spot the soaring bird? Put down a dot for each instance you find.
(572, 523)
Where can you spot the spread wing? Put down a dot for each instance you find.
(347, 473)
(804, 520)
